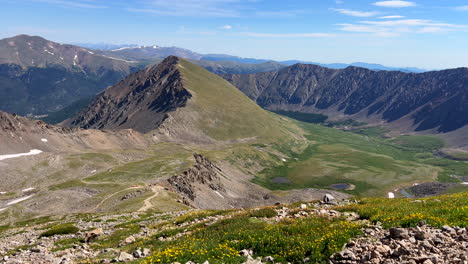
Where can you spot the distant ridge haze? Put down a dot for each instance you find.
(125, 50)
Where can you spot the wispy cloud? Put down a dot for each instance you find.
(395, 3)
(392, 28)
(200, 8)
(71, 3)
(226, 27)
(391, 17)
(355, 13)
(288, 35)
(462, 8)
(339, 2)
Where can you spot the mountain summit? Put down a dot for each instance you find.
(181, 100)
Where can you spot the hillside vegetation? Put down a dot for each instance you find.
(286, 233)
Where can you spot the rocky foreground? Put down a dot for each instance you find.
(104, 239)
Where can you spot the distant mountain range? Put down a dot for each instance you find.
(435, 101)
(144, 53)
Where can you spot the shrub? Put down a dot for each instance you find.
(61, 229)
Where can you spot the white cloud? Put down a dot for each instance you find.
(339, 2)
(354, 13)
(288, 35)
(199, 8)
(395, 3)
(462, 8)
(391, 17)
(392, 28)
(67, 3)
(226, 27)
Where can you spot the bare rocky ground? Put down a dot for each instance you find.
(422, 244)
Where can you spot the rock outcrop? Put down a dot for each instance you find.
(204, 172)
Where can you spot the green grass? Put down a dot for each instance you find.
(375, 165)
(420, 143)
(61, 229)
(263, 213)
(287, 241)
(436, 211)
(66, 243)
(113, 240)
(236, 118)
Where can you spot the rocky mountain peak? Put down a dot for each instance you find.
(141, 101)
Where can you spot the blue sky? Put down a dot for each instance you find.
(430, 34)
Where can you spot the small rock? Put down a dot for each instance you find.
(35, 250)
(124, 257)
(92, 235)
(128, 240)
(246, 252)
(398, 233)
(138, 253)
(329, 199)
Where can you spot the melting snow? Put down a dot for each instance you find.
(464, 183)
(44, 140)
(28, 189)
(219, 194)
(283, 160)
(10, 156)
(2, 193)
(2, 209)
(93, 171)
(391, 195)
(15, 201)
(90, 52)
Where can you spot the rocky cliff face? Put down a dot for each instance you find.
(141, 101)
(431, 100)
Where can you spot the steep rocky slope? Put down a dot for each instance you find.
(426, 101)
(38, 76)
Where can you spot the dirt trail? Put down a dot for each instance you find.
(110, 196)
(158, 190)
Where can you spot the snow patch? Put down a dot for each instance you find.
(123, 48)
(2, 209)
(51, 53)
(464, 183)
(391, 195)
(219, 194)
(118, 59)
(2, 193)
(28, 189)
(15, 201)
(90, 52)
(44, 140)
(10, 156)
(93, 171)
(283, 160)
